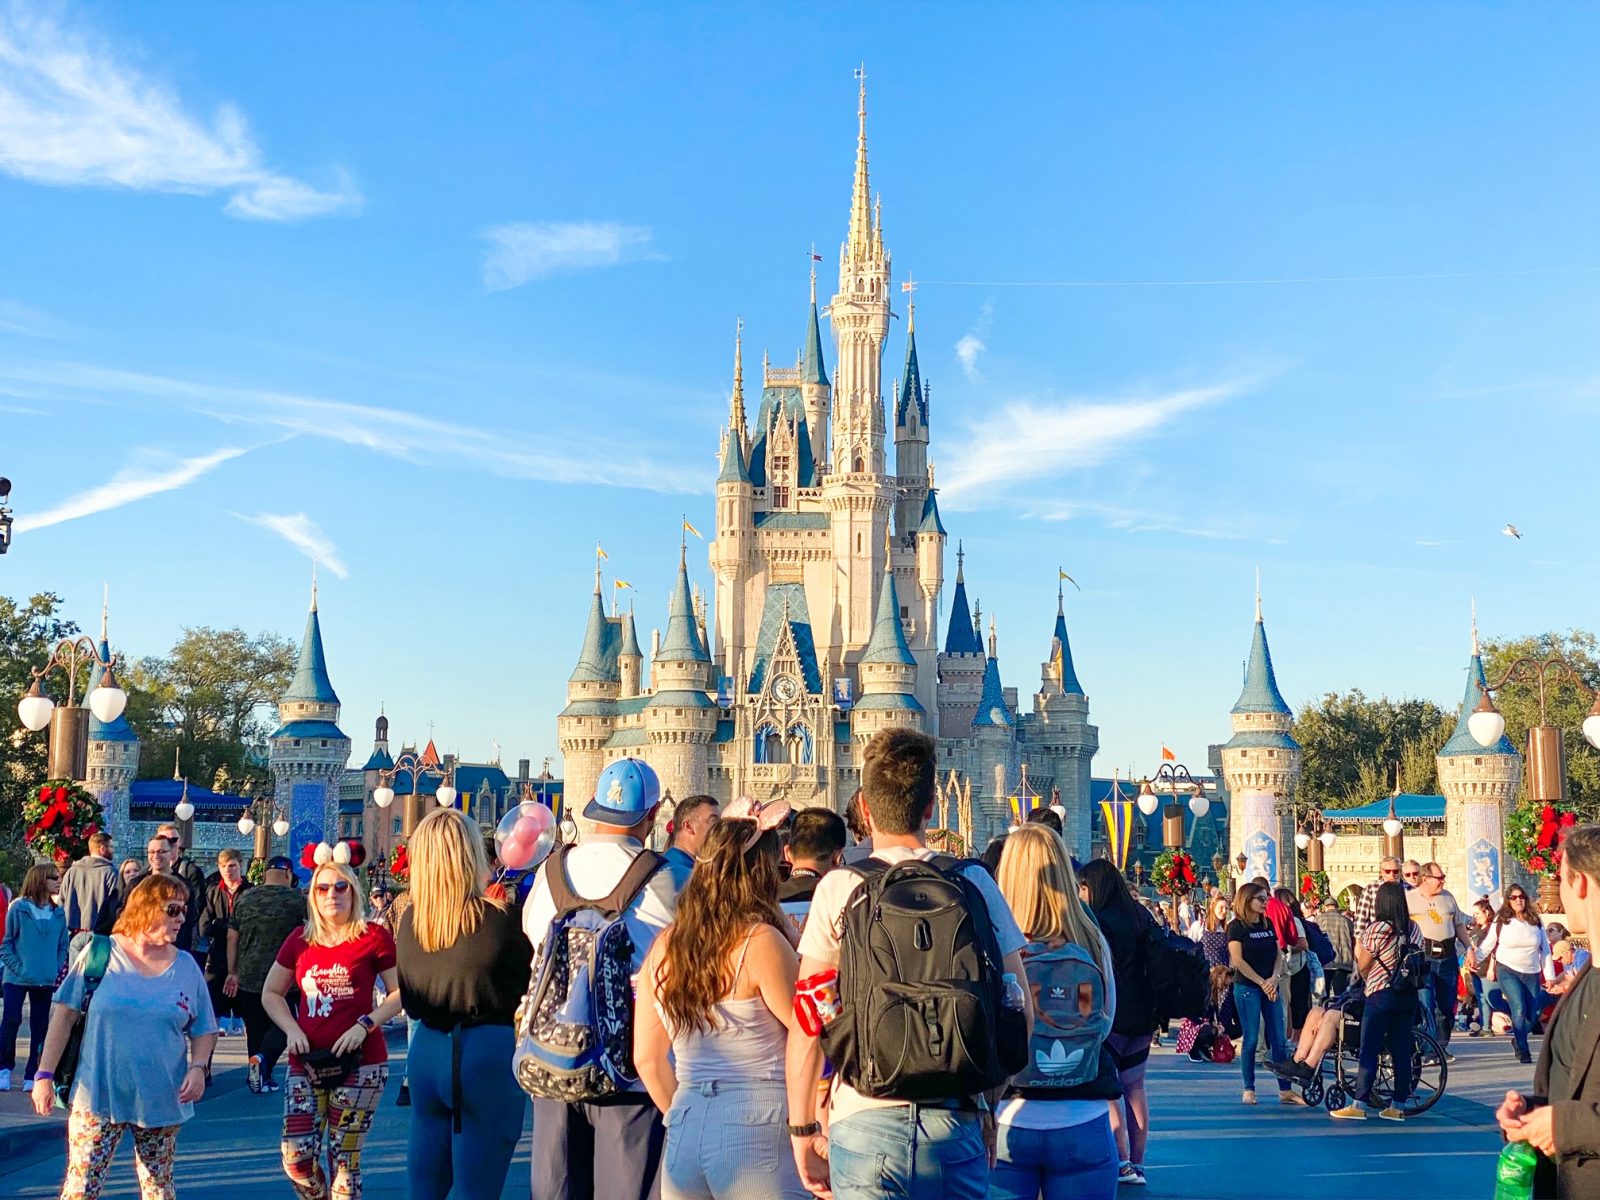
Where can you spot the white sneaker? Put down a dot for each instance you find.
(5, 1081)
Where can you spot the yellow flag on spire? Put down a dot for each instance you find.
(691, 529)
(621, 583)
(1068, 578)
(600, 552)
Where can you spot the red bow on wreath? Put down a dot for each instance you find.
(1185, 867)
(59, 810)
(401, 866)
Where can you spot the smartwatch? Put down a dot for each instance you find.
(366, 1022)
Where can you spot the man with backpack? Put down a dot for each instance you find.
(928, 1011)
(595, 1131)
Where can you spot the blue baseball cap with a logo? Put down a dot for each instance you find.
(624, 793)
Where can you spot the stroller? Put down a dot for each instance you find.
(1429, 1070)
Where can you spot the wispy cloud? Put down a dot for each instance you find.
(133, 483)
(605, 458)
(301, 532)
(74, 113)
(972, 342)
(522, 251)
(29, 322)
(1029, 439)
(1132, 520)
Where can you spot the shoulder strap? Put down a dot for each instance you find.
(561, 893)
(633, 881)
(95, 965)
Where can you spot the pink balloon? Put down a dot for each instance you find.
(515, 852)
(529, 829)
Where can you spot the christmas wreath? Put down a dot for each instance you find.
(59, 819)
(1173, 873)
(399, 864)
(1534, 833)
(1314, 887)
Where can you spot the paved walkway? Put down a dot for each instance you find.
(1207, 1146)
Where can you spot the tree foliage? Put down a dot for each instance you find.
(209, 700)
(28, 633)
(1565, 706)
(1351, 745)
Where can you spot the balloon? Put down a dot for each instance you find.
(525, 835)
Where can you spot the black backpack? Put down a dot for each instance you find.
(1178, 979)
(922, 1013)
(1409, 965)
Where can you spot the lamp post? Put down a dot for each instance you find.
(69, 722)
(411, 761)
(263, 818)
(1175, 780)
(1547, 753)
(1314, 837)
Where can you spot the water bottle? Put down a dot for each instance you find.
(1015, 997)
(1513, 1175)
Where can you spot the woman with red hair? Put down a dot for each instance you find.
(147, 1037)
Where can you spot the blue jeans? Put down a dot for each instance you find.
(912, 1152)
(1254, 1008)
(1386, 1026)
(38, 999)
(728, 1140)
(1436, 993)
(1526, 1000)
(1078, 1162)
(464, 1125)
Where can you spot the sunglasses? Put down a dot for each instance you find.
(1391, 870)
(174, 911)
(1439, 876)
(341, 886)
(1516, 896)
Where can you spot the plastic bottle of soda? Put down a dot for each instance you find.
(1513, 1175)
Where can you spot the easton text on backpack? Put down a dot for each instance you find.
(575, 1025)
(922, 1016)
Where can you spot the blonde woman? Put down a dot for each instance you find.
(464, 964)
(1060, 1143)
(334, 962)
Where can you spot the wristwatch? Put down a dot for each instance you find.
(366, 1022)
(810, 1130)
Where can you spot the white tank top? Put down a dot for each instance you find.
(745, 1042)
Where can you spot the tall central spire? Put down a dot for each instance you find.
(861, 199)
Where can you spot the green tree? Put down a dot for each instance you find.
(210, 700)
(1351, 745)
(1565, 706)
(28, 633)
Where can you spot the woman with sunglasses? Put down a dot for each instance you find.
(335, 961)
(147, 1037)
(1518, 951)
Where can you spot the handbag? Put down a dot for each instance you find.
(325, 1069)
(1222, 1049)
(96, 959)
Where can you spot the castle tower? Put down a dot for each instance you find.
(732, 552)
(1479, 785)
(961, 666)
(930, 543)
(910, 437)
(630, 660)
(858, 493)
(589, 719)
(1261, 764)
(680, 716)
(308, 750)
(1061, 742)
(815, 391)
(113, 754)
(888, 674)
(994, 752)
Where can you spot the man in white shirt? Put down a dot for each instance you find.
(608, 1149)
(1446, 936)
(938, 1149)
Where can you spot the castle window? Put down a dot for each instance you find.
(771, 747)
(296, 741)
(780, 497)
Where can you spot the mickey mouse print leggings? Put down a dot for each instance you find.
(92, 1143)
(323, 1125)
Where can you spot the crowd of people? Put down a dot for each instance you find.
(783, 1004)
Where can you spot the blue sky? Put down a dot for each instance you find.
(444, 295)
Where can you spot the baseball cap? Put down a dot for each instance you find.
(624, 793)
(279, 862)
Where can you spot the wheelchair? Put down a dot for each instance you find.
(1334, 1084)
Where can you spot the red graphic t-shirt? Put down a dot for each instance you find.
(335, 984)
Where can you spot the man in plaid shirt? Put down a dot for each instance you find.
(1388, 872)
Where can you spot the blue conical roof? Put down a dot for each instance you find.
(733, 468)
(911, 387)
(102, 731)
(930, 515)
(992, 709)
(597, 662)
(311, 682)
(812, 369)
(962, 638)
(1462, 741)
(630, 637)
(1069, 675)
(888, 644)
(1261, 694)
(682, 642)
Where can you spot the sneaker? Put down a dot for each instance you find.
(1304, 1070)
(1474, 1033)
(270, 1085)
(1130, 1174)
(1524, 1057)
(1294, 1098)
(403, 1100)
(1141, 1181)
(1249, 1096)
(253, 1080)
(1284, 1069)
(1448, 1057)
(5, 1081)
(27, 1084)
(1392, 1114)
(1350, 1112)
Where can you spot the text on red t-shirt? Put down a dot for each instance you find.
(335, 984)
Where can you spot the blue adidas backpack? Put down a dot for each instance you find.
(1070, 1019)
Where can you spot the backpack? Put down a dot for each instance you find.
(97, 958)
(575, 1024)
(1178, 980)
(922, 1014)
(1321, 944)
(1409, 965)
(1070, 1020)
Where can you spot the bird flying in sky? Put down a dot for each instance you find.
(1513, 532)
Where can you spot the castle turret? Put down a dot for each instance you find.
(888, 673)
(930, 542)
(815, 391)
(308, 750)
(1261, 764)
(113, 757)
(1061, 742)
(960, 666)
(1479, 785)
(630, 660)
(911, 437)
(680, 715)
(994, 752)
(589, 719)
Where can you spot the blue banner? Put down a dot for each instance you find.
(306, 816)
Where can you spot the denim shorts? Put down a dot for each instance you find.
(729, 1140)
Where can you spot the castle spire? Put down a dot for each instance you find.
(735, 446)
(812, 368)
(1260, 694)
(313, 585)
(861, 228)
(682, 641)
(1061, 650)
(888, 644)
(961, 639)
(311, 682)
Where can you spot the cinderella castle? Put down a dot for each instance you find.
(829, 566)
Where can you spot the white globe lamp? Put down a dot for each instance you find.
(1148, 800)
(183, 810)
(247, 825)
(446, 795)
(383, 795)
(1486, 725)
(1199, 805)
(108, 701)
(1392, 827)
(1328, 838)
(1302, 839)
(34, 709)
(1591, 725)
(280, 827)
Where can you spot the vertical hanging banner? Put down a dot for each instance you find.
(306, 817)
(1257, 815)
(1480, 830)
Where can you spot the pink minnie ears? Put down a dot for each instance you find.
(766, 816)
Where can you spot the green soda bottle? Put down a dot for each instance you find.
(1513, 1175)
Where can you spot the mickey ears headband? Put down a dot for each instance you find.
(766, 816)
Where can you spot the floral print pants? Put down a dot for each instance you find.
(92, 1142)
(328, 1125)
